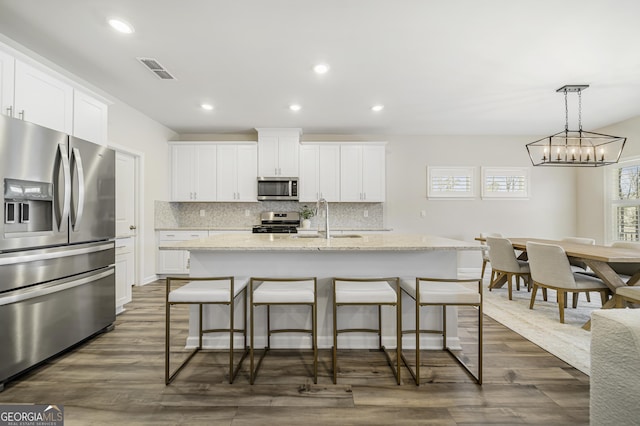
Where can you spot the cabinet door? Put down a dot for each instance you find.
(268, 156)
(350, 173)
(173, 261)
(124, 272)
(247, 172)
(205, 173)
(182, 173)
(373, 173)
(42, 99)
(309, 189)
(89, 118)
(7, 64)
(288, 150)
(226, 173)
(329, 172)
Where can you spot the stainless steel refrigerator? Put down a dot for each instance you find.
(57, 249)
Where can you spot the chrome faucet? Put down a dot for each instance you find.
(326, 215)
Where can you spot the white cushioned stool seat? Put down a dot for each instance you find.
(284, 292)
(444, 292)
(369, 292)
(207, 291)
(223, 291)
(436, 292)
(281, 292)
(374, 293)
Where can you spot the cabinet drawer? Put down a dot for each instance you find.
(181, 235)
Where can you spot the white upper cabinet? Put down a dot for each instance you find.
(7, 65)
(278, 151)
(362, 172)
(42, 99)
(236, 171)
(320, 172)
(193, 173)
(89, 118)
(36, 94)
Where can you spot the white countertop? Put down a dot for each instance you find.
(293, 242)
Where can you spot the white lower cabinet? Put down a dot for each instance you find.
(125, 274)
(175, 261)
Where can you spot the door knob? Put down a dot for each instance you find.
(132, 227)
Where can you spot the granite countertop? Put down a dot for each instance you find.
(248, 229)
(294, 242)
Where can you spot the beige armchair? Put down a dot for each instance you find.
(550, 268)
(504, 263)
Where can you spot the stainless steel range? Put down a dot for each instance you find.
(278, 223)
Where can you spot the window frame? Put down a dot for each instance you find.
(453, 172)
(613, 202)
(505, 172)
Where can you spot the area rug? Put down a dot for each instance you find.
(567, 341)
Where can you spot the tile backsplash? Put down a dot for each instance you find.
(245, 215)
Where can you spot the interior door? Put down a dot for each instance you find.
(125, 195)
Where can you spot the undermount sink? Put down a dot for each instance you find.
(322, 236)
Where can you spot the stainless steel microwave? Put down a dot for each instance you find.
(277, 188)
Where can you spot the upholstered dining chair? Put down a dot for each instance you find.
(579, 266)
(625, 270)
(550, 268)
(485, 253)
(505, 263)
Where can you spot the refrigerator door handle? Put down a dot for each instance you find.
(66, 170)
(81, 192)
(52, 288)
(21, 257)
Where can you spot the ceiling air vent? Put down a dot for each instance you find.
(155, 67)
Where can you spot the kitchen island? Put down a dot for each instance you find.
(294, 255)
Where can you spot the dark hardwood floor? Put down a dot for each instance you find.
(118, 378)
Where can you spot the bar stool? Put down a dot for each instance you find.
(367, 292)
(283, 291)
(443, 292)
(207, 291)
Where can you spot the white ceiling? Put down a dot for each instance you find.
(439, 67)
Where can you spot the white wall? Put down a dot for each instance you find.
(130, 128)
(549, 212)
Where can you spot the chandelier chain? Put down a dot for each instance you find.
(580, 110)
(566, 112)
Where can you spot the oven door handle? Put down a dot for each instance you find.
(21, 296)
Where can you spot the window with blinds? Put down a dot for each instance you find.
(451, 182)
(626, 203)
(503, 182)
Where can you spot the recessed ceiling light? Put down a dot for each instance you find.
(121, 26)
(295, 107)
(321, 68)
(207, 107)
(377, 108)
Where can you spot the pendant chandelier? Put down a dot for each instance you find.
(575, 147)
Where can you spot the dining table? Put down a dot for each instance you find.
(599, 258)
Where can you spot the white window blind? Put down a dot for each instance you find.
(451, 182)
(505, 182)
